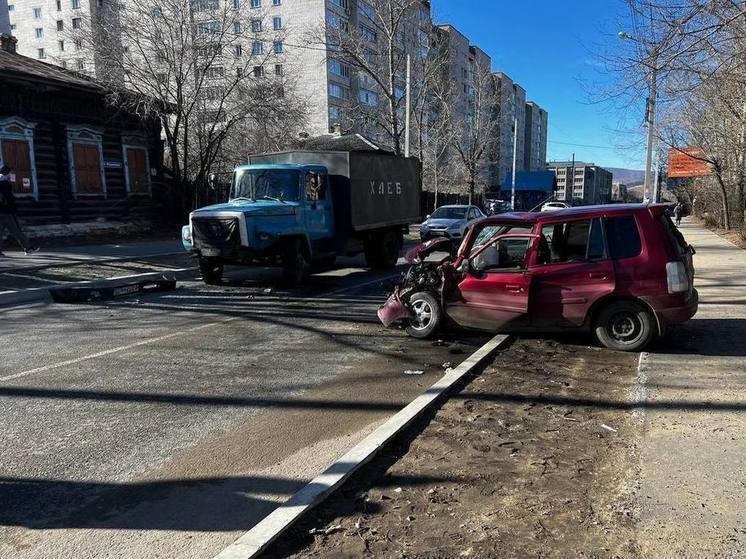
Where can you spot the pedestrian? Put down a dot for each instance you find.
(677, 213)
(8, 219)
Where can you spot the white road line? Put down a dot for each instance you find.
(115, 350)
(162, 338)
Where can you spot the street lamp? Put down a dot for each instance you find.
(649, 116)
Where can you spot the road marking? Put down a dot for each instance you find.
(141, 343)
(116, 350)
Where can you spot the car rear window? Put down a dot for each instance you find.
(623, 236)
(673, 233)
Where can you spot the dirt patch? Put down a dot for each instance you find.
(527, 460)
(735, 236)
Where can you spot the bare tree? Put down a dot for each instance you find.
(205, 68)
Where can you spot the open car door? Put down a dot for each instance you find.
(494, 292)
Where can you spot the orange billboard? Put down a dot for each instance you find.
(687, 162)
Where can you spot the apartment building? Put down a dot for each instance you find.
(535, 144)
(512, 102)
(581, 183)
(4, 18)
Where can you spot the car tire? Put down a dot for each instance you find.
(211, 270)
(294, 263)
(428, 316)
(624, 326)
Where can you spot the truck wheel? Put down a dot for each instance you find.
(325, 263)
(211, 270)
(624, 326)
(427, 316)
(294, 263)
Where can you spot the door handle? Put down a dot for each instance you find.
(598, 275)
(515, 288)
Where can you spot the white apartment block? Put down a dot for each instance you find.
(535, 144)
(45, 30)
(581, 183)
(4, 18)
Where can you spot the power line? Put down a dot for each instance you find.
(581, 145)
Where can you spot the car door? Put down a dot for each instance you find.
(572, 271)
(494, 293)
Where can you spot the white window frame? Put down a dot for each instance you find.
(136, 142)
(91, 136)
(16, 128)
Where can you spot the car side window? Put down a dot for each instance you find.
(624, 237)
(571, 241)
(503, 254)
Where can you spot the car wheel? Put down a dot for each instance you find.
(211, 270)
(427, 316)
(624, 326)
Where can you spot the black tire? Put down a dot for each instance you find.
(624, 326)
(211, 270)
(428, 316)
(325, 263)
(382, 252)
(294, 263)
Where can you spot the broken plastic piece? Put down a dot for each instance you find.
(413, 372)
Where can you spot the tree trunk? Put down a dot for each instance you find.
(723, 199)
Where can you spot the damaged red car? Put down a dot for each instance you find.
(621, 272)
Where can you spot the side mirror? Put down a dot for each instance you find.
(427, 217)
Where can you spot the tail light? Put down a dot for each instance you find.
(678, 279)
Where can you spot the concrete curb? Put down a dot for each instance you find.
(256, 540)
(92, 260)
(41, 294)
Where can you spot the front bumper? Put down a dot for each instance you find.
(676, 315)
(439, 234)
(392, 310)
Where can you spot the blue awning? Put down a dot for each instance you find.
(542, 181)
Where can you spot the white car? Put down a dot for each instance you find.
(554, 206)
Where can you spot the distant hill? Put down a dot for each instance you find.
(629, 177)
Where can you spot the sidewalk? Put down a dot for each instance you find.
(693, 452)
(26, 278)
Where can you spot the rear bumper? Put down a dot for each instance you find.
(676, 315)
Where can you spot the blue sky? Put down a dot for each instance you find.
(547, 46)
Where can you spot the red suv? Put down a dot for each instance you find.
(622, 272)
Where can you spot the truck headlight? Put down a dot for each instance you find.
(186, 234)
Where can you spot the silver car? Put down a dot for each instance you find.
(450, 222)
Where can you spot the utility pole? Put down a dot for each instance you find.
(515, 162)
(650, 118)
(408, 106)
(570, 183)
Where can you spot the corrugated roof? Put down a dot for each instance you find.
(12, 65)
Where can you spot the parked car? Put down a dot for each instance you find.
(553, 206)
(623, 272)
(450, 222)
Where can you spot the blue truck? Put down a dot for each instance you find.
(302, 209)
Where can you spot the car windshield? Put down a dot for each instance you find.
(492, 230)
(256, 184)
(449, 213)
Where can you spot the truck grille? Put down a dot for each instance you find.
(217, 232)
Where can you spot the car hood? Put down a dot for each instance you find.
(253, 208)
(442, 222)
(424, 249)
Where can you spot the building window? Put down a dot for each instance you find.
(276, 2)
(257, 48)
(368, 34)
(278, 70)
(77, 23)
(339, 69)
(337, 91)
(237, 50)
(277, 23)
(256, 25)
(214, 72)
(81, 65)
(335, 114)
(336, 22)
(76, 4)
(40, 53)
(258, 71)
(86, 161)
(256, 3)
(61, 44)
(368, 97)
(11, 7)
(366, 9)
(39, 32)
(278, 47)
(236, 4)
(237, 29)
(12, 26)
(60, 25)
(136, 166)
(78, 44)
(17, 151)
(59, 5)
(341, 3)
(37, 13)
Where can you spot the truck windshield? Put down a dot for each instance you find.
(280, 184)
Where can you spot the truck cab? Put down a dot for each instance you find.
(295, 214)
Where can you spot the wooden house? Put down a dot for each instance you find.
(75, 158)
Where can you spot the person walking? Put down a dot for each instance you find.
(8, 219)
(677, 213)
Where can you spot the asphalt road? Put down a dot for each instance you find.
(165, 426)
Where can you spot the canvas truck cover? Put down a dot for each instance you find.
(371, 189)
